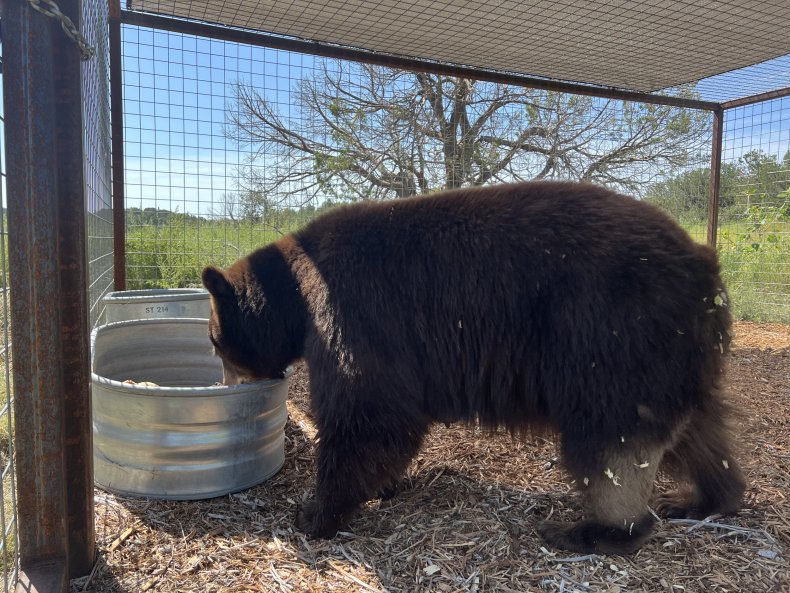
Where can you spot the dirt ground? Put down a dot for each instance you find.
(465, 520)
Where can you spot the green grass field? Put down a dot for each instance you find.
(755, 258)
(173, 256)
(755, 262)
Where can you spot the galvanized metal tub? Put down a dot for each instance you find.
(186, 438)
(124, 305)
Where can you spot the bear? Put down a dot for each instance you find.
(536, 305)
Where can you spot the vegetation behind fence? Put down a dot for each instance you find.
(227, 146)
(753, 251)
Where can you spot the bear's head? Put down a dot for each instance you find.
(255, 332)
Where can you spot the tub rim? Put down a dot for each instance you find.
(163, 390)
(155, 294)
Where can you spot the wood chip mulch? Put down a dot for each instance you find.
(465, 520)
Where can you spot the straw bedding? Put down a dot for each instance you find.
(465, 518)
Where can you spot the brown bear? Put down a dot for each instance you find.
(541, 304)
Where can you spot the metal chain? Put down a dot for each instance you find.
(50, 9)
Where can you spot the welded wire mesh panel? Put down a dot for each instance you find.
(639, 44)
(96, 117)
(9, 553)
(228, 146)
(764, 77)
(754, 225)
(188, 200)
(99, 231)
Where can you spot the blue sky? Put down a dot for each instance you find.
(177, 89)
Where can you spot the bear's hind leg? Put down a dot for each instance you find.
(615, 495)
(358, 458)
(702, 455)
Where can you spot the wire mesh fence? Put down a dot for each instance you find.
(229, 145)
(9, 553)
(97, 139)
(666, 44)
(186, 200)
(763, 77)
(754, 224)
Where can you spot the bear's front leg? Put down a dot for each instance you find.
(357, 459)
(315, 521)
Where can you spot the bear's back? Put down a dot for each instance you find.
(458, 289)
(528, 239)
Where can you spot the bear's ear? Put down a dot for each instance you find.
(216, 283)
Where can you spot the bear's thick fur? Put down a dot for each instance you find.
(559, 305)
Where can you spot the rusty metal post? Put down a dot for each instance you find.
(715, 176)
(48, 281)
(72, 258)
(116, 110)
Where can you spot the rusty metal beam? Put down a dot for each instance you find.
(715, 176)
(29, 88)
(116, 110)
(48, 267)
(759, 98)
(44, 577)
(72, 258)
(167, 23)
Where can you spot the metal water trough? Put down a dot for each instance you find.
(185, 438)
(156, 303)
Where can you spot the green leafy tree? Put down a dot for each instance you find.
(686, 195)
(764, 178)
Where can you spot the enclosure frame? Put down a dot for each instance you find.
(47, 254)
(116, 107)
(175, 25)
(50, 313)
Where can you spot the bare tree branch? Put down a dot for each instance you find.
(359, 131)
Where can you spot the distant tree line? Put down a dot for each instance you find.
(158, 217)
(756, 180)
